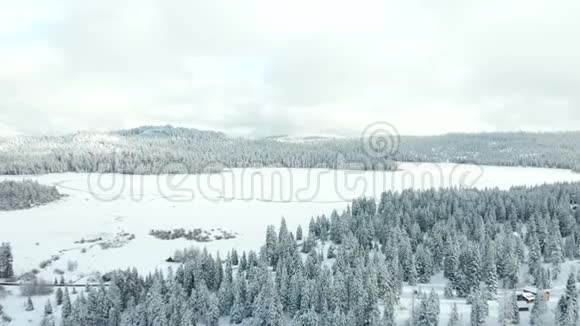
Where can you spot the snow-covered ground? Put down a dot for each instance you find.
(244, 201)
(14, 306)
(438, 284)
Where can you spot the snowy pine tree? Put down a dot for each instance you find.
(509, 314)
(213, 311)
(448, 291)
(554, 253)
(299, 233)
(534, 258)
(454, 317)
(66, 305)
(59, 296)
(29, 305)
(567, 309)
(428, 311)
(412, 276)
(490, 277)
(48, 308)
(423, 264)
(538, 315)
(6, 261)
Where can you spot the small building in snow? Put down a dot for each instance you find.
(527, 297)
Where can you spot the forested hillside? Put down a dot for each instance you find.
(482, 242)
(25, 194)
(552, 150)
(154, 150)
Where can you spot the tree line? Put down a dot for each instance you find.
(174, 150)
(25, 194)
(548, 149)
(155, 150)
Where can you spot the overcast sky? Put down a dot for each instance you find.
(264, 67)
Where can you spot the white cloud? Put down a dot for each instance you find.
(270, 67)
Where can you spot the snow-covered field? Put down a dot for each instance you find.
(244, 201)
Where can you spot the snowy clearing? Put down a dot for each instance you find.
(105, 221)
(113, 207)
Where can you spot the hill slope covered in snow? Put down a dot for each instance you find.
(166, 149)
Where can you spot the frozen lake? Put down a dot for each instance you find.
(244, 201)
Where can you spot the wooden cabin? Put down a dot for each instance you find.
(527, 298)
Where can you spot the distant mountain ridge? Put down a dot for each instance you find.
(170, 131)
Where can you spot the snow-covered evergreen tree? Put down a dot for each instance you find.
(538, 315)
(59, 296)
(553, 249)
(6, 261)
(423, 264)
(490, 277)
(299, 233)
(428, 310)
(48, 308)
(29, 305)
(567, 309)
(509, 313)
(534, 258)
(66, 305)
(454, 317)
(213, 311)
(412, 276)
(448, 291)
